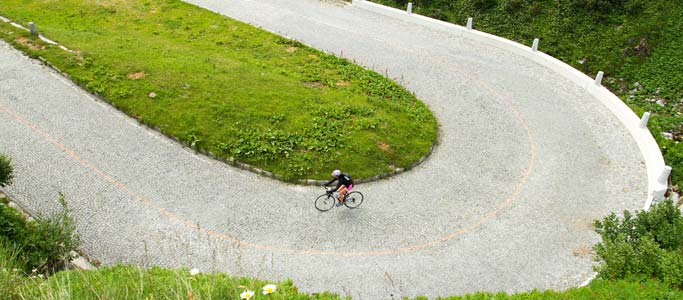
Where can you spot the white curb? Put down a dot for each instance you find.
(657, 171)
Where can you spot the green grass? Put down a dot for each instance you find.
(229, 88)
(134, 283)
(10, 268)
(632, 41)
(130, 282)
(634, 289)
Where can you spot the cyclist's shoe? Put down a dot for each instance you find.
(339, 204)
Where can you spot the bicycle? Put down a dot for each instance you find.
(328, 200)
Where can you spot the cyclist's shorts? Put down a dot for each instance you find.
(350, 187)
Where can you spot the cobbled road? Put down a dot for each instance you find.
(526, 161)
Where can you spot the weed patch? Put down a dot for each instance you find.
(45, 244)
(6, 171)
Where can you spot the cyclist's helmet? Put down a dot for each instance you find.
(336, 173)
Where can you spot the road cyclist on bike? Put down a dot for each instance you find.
(344, 185)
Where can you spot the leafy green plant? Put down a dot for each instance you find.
(254, 144)
(6, 171)
(649, 243)
(602, 6)
(45, 244)
(484, 4)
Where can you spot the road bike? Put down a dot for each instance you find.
(328, 200)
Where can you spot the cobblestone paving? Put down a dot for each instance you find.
(526, 161)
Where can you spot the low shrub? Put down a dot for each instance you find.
(603, 6)
(674, 157)
(6, 171)
(45, 244)
(484, 5)
(649, 243)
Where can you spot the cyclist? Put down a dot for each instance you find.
(344, 184)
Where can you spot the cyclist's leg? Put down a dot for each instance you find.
(342, 193)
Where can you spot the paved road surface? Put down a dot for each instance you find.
(526, 161)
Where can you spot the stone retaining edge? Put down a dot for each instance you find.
(657, 171)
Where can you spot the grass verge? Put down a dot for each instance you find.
(634, 289)
(134, 283)
(229, 88)
(130, 282)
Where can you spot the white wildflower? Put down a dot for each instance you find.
(247, 295)
(269, 288)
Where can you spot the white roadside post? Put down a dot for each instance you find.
(663, 182)
(644, 120)
(469, 23)
(598, 79)
(534, 47)
(410, 8)
(32, 27)
(663, 178)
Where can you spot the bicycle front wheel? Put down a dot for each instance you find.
(325, 202)
(353, 199)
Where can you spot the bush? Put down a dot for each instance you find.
(671, 268)
(674, 157)
(45, 244)
(5, 171)
(483, 5)
(603, 6)
(649, 243)
(513, 6)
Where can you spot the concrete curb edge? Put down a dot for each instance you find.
(654, 161)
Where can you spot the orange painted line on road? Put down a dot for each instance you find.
(150, 204)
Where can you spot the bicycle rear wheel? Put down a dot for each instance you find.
(325, 202)
(353, 199)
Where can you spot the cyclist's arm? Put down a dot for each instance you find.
(330, 182)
